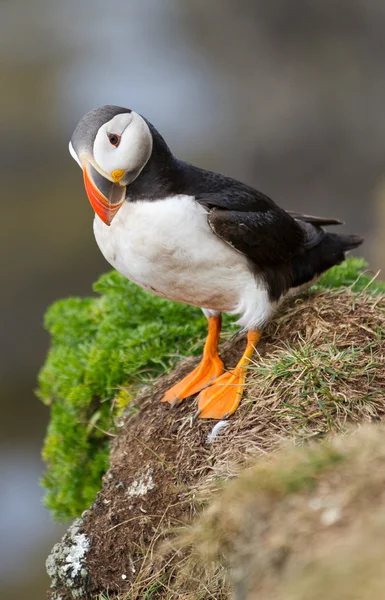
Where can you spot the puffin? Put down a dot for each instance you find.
(198, 237)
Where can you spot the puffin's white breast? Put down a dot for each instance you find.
(167, 247)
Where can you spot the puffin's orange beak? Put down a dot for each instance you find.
(106, 197)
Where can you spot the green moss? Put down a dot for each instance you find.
(124, 336)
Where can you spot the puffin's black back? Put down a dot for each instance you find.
(288, 251)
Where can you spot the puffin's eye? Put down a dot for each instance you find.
(114, 139)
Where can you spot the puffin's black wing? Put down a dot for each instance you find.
(267, 238)
(253, 224)
(288, 250)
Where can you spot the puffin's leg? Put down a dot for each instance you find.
(208, 369)
(222, 398)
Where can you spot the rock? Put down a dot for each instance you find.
(67, 564)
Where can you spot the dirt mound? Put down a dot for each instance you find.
(319, 367)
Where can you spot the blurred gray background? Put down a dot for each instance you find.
(286, 96)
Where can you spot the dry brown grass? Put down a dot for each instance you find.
(307, 524)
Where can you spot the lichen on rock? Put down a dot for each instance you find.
(142, 485)
(67, 565)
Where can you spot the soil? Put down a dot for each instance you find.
(166, 445)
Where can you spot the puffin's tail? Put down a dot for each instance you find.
(329, 251)
(348, 241)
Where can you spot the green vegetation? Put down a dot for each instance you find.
(352, 273)
(124, 336)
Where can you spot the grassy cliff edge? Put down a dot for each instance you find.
(105, 347)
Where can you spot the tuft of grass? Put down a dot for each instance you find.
(127, 337)
(320, 388)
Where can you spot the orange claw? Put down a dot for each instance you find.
(207, 371)
(222, 398)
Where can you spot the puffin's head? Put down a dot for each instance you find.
(112, 145)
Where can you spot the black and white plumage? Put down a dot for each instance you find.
(197, 237)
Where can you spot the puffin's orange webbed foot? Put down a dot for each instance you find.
(222, 398)
(207, 371)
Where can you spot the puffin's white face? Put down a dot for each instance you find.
(111, 156)
(122, 147)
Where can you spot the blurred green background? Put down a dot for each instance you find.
(287, 96)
